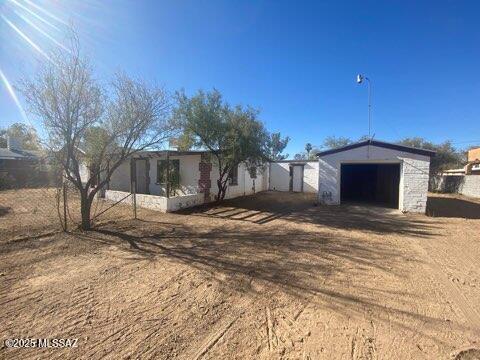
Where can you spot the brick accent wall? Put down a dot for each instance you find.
(204, 181)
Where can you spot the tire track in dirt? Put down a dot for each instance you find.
(455, 294)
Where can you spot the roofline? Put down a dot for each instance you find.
(170, 152)
(292, 161)
(378, 143)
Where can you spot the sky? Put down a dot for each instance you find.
(296, 61)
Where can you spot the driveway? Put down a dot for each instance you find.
(269, 276)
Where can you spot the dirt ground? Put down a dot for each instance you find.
(269, 276)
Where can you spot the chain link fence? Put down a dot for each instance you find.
(36, 200)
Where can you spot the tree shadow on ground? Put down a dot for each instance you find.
(298, 208)
(5, 210)
(301, 264)
(452, 207)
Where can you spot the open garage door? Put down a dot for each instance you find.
(370, 183)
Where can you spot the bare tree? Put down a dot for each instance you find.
(84, 125)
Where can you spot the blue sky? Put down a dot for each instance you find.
(295, 61)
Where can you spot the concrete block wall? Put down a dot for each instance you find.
(414, 180)
(471, 186)
(155, 202)
(468, 185)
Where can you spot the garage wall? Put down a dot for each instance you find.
(280, 176)
(414, 174)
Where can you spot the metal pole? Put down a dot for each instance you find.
(369, 107)
(65, 205)
(135, 198)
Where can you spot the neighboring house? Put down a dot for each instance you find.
(20, 168)
(465, 181)
(375, 172)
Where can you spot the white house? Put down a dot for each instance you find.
(375, 172)
(193, 180)
(371, 171)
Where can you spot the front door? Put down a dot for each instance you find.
(141, 172)
(297, 178)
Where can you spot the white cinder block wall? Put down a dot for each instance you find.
(280, 176)
(414, 174)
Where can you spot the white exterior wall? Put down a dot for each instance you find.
(414, 174)
(310, 177)
(154, 202)
(120, 179)
(189, 174)
(246, 185)
(280, 176)
(470, 186)
(189, 177)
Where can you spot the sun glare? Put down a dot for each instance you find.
(25, 37)
(34, 14)
(14, 97)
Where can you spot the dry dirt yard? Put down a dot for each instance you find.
(263, 277)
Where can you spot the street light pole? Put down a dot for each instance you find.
(360, 79)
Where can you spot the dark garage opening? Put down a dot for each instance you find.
(370, 183)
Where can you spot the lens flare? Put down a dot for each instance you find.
(26, 38)
(33, 13)
(44, 33)
(14, 97)
(46, 12)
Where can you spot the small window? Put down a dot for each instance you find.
(174, 172)
(233, 176)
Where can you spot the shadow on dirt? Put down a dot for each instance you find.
(299, 208)
(4, 210)
(452, 207)
(299, 263)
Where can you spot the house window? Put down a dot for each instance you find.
(174, 172)
(233, 176)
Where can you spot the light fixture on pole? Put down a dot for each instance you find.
(360, 79)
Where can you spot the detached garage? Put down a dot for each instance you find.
(375, 172)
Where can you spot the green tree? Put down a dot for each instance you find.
(308, 149)
(232, 135)
(446, 157)
(332, 142)
(26, 136)
(276, 145)
(310, 153)
(76, 113)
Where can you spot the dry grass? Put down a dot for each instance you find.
(268, 276)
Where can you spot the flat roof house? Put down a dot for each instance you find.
(193, 180)
(375, 172)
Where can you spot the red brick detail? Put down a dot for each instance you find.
(204, 182)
